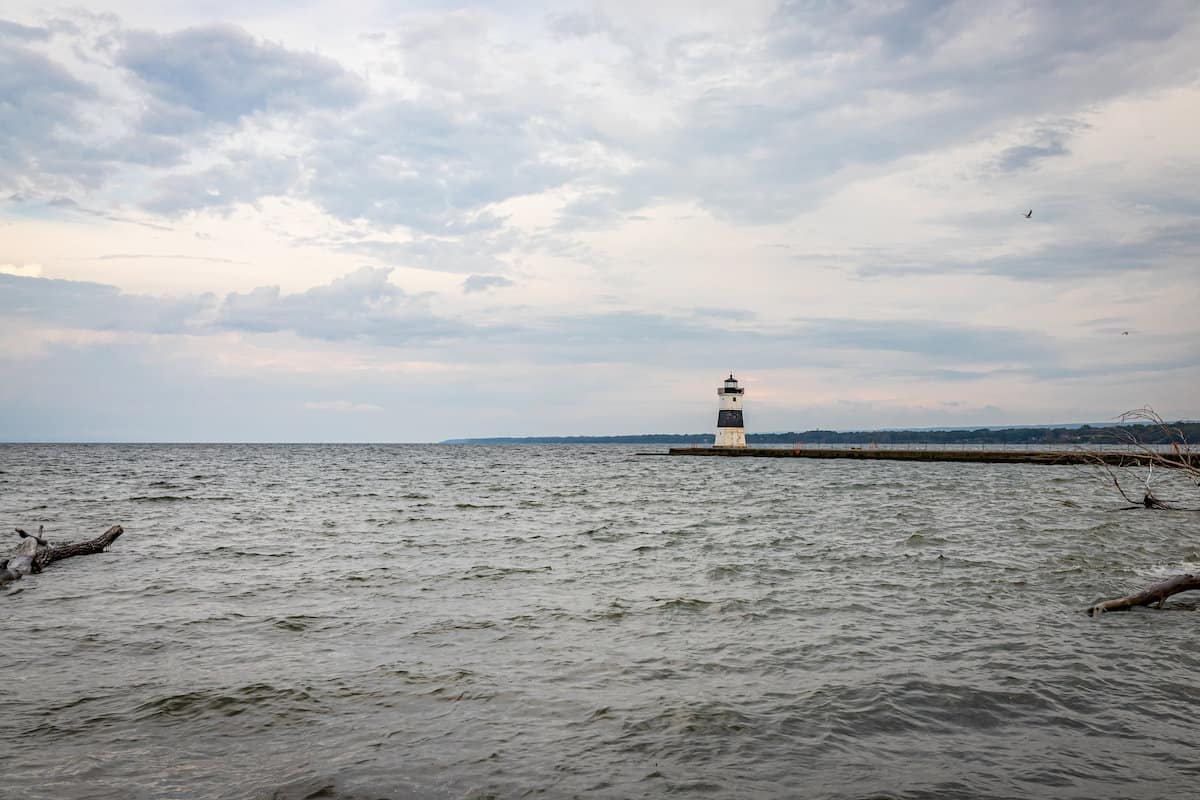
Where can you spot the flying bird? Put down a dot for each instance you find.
(1028, 214)
(1124, 333)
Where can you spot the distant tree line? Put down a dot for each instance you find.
(641, 438)
(1082, 434)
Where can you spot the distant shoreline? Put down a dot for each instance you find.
(1065, 434)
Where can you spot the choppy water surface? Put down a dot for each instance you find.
(559, 621)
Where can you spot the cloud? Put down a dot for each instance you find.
(1023, 156)
(1152, 249)
(756, 123)
(576, 24)
(766, 127)
(431, 165)
(942, 375)
(245, 179)
(167, 257)
(725, 314)
(481, 283)
(933, 339)
(126, 99)
(22, 270)
(39, 98)
(598, 210)
(1156, 248)
(97, 306)
(36, 203)
(696, 341)
(16, 31)
(340, 406)
(220, 73)
(261, 351)
(1048, 141)
(471, 251)
(66, 130)
(363, 304)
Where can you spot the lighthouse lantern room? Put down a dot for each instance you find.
(730, 430)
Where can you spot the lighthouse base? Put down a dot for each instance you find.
(730, 437)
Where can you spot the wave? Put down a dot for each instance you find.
(487, 571)
(275, 701)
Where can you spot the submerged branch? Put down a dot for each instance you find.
(1158, 593)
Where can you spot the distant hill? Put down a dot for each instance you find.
(1063, 434)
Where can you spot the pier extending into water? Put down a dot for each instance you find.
(1124, 458)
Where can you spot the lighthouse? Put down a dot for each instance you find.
(730, 430)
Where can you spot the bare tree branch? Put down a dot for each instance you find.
(1180, 457)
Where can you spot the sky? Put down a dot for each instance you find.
(407, 222)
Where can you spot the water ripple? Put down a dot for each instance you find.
(469, 622)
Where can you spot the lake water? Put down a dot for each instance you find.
(432, 621)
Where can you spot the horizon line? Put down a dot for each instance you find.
(462, 439)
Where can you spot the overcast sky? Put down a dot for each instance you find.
(376, 221)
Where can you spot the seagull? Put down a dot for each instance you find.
(1028, 213)
(1124, 333)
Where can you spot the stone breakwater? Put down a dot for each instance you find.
(983, 456)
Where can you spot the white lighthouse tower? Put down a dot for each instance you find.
(730, 430)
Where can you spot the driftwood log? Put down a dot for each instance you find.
(1158, 593)
(35, 553)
